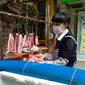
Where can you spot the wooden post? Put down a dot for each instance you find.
(27, 4)
(27, 20)
(48, 26)
(2, 56)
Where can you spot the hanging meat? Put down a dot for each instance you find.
(36, 40)
(10, 47)
(31, 35)
(25, 42)
(16, 42)
(36, 37)
(20, 44)
(29, 42)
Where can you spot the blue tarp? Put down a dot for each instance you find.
(50, 72)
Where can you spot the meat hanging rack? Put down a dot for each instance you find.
(22, 17)
(33, 19)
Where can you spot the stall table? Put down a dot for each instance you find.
(25, 55)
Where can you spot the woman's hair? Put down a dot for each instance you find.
(61, 17)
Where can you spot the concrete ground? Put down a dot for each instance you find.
(80, 65)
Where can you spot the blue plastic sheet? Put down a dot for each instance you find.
(50, 72)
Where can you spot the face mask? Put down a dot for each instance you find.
(57, 30)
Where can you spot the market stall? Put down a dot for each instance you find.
(17, 44)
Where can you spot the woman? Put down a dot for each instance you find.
(65, 48)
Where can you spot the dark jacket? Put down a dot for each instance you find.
(66, 49)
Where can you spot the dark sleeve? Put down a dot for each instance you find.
(66, 49)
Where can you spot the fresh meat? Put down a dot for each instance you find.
(20, 44)
(10, 47)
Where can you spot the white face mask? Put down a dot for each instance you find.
(57, 31)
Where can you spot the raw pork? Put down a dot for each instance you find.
(20, 44)
(10, 47)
